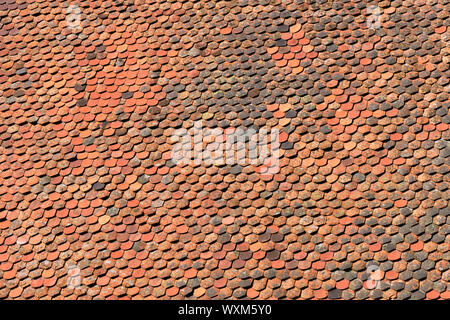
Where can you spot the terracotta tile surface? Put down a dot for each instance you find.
(92, 206)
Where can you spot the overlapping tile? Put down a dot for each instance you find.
(92, 204)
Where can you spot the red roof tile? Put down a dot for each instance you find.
(94, 205)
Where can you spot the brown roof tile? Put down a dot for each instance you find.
(94, 205)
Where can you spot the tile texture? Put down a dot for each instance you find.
(93, 207)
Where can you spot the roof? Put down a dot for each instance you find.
(350, 202)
